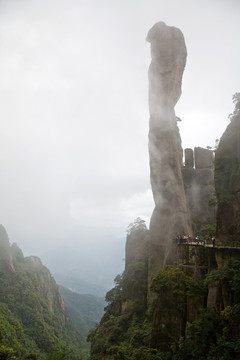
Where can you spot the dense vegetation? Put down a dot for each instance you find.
(33, 319)
(170, 319)
(134, 329)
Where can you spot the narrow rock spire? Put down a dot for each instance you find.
(170, 216)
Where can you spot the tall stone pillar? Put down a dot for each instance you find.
(170, 216)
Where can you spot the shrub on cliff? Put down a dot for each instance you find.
(137, 225)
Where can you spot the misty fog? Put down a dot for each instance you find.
(74, 114)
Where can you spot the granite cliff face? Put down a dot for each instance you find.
(181, 192)
(170, 216)
(136, 247)
(5, 253)
(227, 182)
(198, 179)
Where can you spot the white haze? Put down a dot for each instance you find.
(74, 108)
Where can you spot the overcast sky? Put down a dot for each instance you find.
(74, 107)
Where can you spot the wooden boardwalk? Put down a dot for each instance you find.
(190, 254)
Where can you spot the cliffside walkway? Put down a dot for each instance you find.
(201, 254)
(206, 244)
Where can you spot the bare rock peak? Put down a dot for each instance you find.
(189, 161)
(203, 158)
(170, 216)
(168, 53)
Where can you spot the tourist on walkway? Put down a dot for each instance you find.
(213, 241)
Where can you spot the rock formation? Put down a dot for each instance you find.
(175, 304)
(170, 216)
(136, 247)
(227, 182)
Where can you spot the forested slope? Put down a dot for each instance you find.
(33, 318)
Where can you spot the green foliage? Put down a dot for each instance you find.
(126, 330)
(236, 101)
(208, 231)
(31, 357)
(63, 354)
(203, 229)
(146, 353)
(116, 353)
(149, 333)
(180, 284)
(13, 333)
(171, 280)
(215, 336)
(137, 225)
(199, 335)
(229, 274)
(7, 353)
(212, 336)
(123, 318)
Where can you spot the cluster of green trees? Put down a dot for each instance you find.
(8, 353)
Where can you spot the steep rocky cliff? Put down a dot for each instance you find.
(170, 216)
(227, 181)
(198, 179)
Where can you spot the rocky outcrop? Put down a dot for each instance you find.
(227, 183)
(170, 216)
(198, 179)
(17, 253)
(136, 247)
(34, 261)
(5, 250)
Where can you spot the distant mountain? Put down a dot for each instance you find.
(80, 286)
(92, 260)
(84, 310)
(33, 318)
